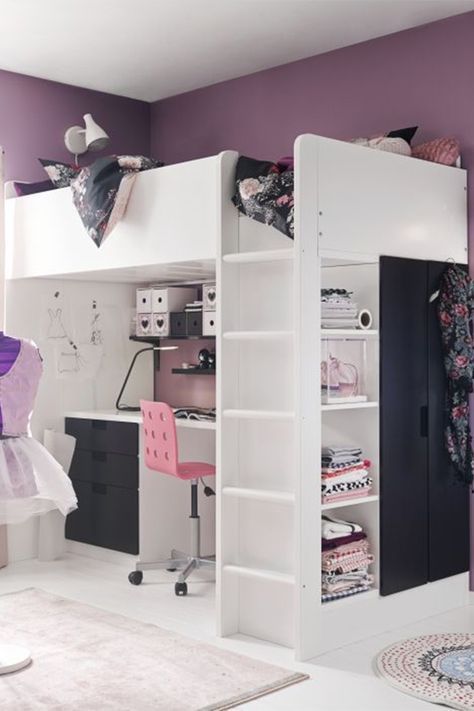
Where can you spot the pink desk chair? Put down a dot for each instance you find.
(161, 455)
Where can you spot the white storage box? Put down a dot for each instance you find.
(144, 324)
(209, 323)
(209, 297)
(143, 301)
(160, 325)
(164, 300)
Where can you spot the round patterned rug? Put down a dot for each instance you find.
(438, 668)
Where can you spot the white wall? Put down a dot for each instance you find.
(30, 304)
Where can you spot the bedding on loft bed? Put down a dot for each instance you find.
(264, 191)
(100, 191)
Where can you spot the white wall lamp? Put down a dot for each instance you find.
(92, 137)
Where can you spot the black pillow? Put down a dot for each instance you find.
(61, 174)
(405, 133)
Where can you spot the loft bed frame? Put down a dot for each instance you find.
(352, 205)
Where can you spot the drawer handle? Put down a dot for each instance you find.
(99, 456)
(99, 489)
(99, 424)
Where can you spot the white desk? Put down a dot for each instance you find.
(164, 501)
(135, 417)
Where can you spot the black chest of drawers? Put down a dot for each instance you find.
(104, 473)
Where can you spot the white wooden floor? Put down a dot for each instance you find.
(340, 681)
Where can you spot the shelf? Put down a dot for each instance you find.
(257, 335)
(349, 333)
(267, 495)
(350, 502)
(259, 414)
(156, 340)
(260, 574)
(270, 255)
(193, 371)
(349, 406)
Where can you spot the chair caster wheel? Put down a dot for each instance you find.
(180, 589)
(135, 577)
(171, 570)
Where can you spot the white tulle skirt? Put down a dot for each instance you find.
(31, 481)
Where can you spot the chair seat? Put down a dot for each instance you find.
(194, 470)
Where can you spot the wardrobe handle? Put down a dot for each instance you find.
(424, 421)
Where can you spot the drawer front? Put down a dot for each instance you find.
(209, 323)
(143, 301)
(194, 324)
(105, 468)
(104, 436)
(107, 517)
(178, 324)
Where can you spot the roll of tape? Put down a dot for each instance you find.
(365, 319)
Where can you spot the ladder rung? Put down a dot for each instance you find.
(259, 414)
(257, 335)
(268, 495)
(260, 573)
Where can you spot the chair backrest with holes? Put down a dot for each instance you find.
(161, 445)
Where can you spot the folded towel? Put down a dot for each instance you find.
(331, 470)
(346, 495)
(344, 477)
(328, 597)
(334, 450)
(339, 323)
(348, 563)
(336, 528)
(361, 545)
(327, 545)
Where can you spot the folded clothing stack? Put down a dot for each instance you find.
(344, 474)
(345, 559)
(338, 310)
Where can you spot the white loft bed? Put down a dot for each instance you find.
(352, 205)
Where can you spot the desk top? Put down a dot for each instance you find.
(134, 417)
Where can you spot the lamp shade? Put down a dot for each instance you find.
(96, 137)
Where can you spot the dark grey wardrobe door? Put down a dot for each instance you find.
(448, 501)
(403, 424)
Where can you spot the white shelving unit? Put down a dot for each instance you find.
(357, 424)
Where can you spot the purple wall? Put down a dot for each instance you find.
(35, 114)
(419, 77)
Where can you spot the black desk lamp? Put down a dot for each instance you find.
(154, 348)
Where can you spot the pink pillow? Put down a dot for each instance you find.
(441, 150)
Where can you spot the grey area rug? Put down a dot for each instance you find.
(86, 658)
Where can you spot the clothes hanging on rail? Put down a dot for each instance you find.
(455, 308)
